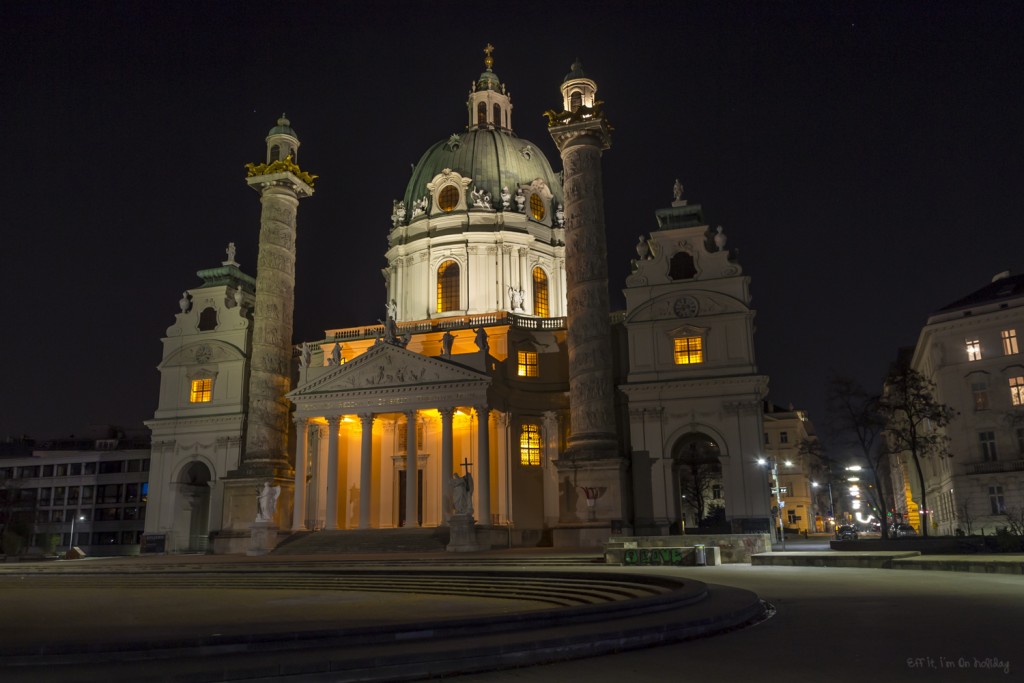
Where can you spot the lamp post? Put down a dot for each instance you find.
(71, 538)
(831, 509)
(778, 493)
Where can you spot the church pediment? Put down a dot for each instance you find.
(684, 303)
(202, 353)
(387, 366)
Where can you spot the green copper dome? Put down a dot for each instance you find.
(492, 158)
(575, 71)
(488, 81)
(283, 127)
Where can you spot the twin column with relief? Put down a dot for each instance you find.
(481, 476)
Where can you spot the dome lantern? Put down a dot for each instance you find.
(282, 142)
(489, 106)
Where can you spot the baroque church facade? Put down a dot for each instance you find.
(498, 358)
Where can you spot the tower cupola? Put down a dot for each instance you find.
(282, 142)
(489, 105)
(577, 89)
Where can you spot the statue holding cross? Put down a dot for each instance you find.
(462, 490)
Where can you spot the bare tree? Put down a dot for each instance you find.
(915, 421)
(965, 518)
(699, 470)
(855, 422)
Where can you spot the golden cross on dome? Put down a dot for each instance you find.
(488, 60)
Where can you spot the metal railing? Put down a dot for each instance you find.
(995, 466)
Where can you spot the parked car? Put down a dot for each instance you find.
(902, 531)
(846, 532)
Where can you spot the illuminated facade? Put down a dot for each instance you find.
(471, 369)
(784, 430)
(200, 417)
(691, 374)
(970, 350)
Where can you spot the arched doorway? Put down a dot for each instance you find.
(697, 473)
(192, 517)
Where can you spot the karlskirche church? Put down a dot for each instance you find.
(498, 388)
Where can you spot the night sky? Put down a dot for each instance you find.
(867, 160)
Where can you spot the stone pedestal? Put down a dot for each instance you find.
(600, 491)
(263, 538)
(241, 501)
(463, 535)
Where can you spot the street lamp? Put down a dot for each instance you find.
(71, 538)
(831, 509)
(778, 493)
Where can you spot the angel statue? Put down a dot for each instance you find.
(462, 494)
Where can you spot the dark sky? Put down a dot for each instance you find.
(867, 160)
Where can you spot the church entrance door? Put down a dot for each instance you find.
(401, 497)
(194, 489)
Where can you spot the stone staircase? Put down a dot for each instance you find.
(431, 540)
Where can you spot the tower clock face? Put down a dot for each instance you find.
(686, 307)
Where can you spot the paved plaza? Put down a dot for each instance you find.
(225, 618)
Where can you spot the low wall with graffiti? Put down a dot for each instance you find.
(730, 548)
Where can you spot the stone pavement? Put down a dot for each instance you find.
(394, 616)
(390, 617)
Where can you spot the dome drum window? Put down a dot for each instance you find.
(448, 198)
(537, 209)
(448, 287)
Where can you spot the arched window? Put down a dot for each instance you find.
(682, 267)
(275, 153)
(448, 287)
(448, 198)
(481, 114)
(536, 207)
(540, 293)
(575, 101)
(497, 116)
(208, 319)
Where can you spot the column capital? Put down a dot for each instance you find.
(446, 413)
(299, 421)
(366, 418)
(334, 421)
(482, 411)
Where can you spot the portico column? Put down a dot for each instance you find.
(483, 464)
(332, 473)
(411, 518)
(365, 463)
(446, 457)
(301, 460)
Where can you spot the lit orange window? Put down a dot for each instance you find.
(1017, 391)
(689, 350)
(537, 207)
(540, 293)
(448, 198)
(448, 287)
(528, 364)
(202, 391)
(529, 445)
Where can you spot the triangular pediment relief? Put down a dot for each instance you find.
(388, 366)
(687, 331)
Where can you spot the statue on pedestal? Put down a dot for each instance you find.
(462, 493)
(266, 502)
